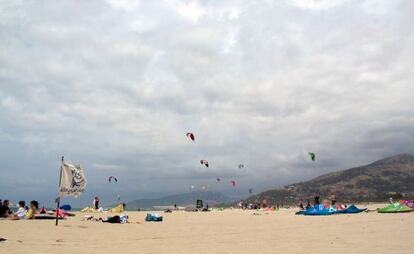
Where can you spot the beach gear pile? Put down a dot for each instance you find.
(66, 207)
(331, 210)
(153, 217)
(409, 203)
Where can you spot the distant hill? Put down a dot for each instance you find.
(190, 198)
(393, 176)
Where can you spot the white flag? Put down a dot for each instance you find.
(72, 181)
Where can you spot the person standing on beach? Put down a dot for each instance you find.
(317, 198)
(301, 205)
(333, 199)
(96, 203)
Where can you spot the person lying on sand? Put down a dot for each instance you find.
(123, 218)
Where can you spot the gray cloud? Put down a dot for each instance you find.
(116, 85)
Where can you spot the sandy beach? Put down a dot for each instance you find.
(229, 231)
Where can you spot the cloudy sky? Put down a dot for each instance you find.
(115, 85)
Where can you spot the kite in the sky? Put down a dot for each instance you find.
(112, 178)
(312, 156)
(192, 187)
(241, 166)
(233, 183)
(190, 136)
(204, 162)
(250, 190)
(218, 179)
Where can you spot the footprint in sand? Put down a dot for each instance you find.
(59, 240)
(82, 227)
(67, 226)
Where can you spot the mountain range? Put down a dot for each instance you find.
(389, 177)
(209, 197)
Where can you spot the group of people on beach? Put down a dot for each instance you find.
(317, 201)
(23, 212)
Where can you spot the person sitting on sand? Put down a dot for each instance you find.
(301, 205)
(21, 212)
(43, 210)
(30, 214)
(5, 210)
(308, 205)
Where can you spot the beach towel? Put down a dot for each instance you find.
(46, 217)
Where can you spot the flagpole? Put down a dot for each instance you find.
(58, 198)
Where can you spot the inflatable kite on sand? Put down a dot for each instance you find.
(90, 210)
(330, 210)
(118, 209)
(396, 208)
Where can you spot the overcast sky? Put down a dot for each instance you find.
(116, 85)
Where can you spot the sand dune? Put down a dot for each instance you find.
(230, 231)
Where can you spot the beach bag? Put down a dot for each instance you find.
(66, 207)
(153, 217)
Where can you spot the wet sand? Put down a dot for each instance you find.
(229, 231)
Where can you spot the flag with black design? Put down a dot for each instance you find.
(72, 180)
